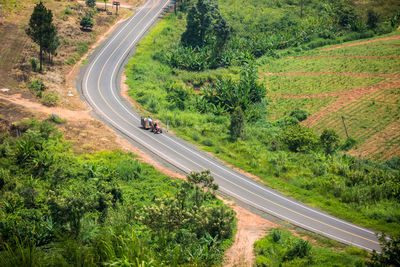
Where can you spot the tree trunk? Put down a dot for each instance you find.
(41, 58)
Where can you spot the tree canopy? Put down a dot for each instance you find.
(205, 25)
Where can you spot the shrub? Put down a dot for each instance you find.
(49, 99)
(90, 3)
(34, 64)
(299, 114)
(56, 119)
(300, 249)
(299, 139)
(37, 87)
(390, 255)
(70, 61)
(208, 142)
(372, 19)
(237, 125)
(348, 144)
(67, 11)
(329, 141)
(276, 235)
(87, 22)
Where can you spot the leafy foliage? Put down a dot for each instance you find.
(86, 22)
(237, 125)
(90, 3)
(105, 208)
(37, 87)
(226, 95)
(390, 255)
(357, 190)
(280, 247)
(299, 139)
(329, 141)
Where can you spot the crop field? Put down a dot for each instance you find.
(359, 81)
(312, 83)
(279, 107)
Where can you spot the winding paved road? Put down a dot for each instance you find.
(99, 84)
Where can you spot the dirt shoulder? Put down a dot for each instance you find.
(250, 228)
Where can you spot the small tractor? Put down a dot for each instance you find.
(148, 123)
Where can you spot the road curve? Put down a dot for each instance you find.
(99, 85)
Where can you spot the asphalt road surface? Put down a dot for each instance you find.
(99, 85)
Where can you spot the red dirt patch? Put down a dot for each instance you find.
(250, 228)
(396, 37)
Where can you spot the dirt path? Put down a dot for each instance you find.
(396, 37)
(250, 228)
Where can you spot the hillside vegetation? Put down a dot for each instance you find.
(19, 55)
(213, 97)
(101, 209)
(281, 248)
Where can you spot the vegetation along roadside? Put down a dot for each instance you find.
(227, 101)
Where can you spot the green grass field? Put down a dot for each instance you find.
(316, 84)
(358, 65)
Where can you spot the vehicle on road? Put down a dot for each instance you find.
(148, 123)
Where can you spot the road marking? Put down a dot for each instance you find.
(196, 153)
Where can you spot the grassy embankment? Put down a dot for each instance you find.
(281, 248)
(354, 189)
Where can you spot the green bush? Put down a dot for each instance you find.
(37, 87)
(34, 64)
(299, 114)
(299, 139)
(86, 22)
(49, 99)
(348, 144)
(237, 125)
(329, 141)
(90, 3)
(56, 119)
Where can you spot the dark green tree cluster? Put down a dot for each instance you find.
(303, 139)
(205, 25)
(206, 35)
(225, 95)
(390, 254)
(90, 3)
(43, 32)
(87, 22)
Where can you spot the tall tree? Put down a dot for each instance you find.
(204, 22)
(42, 31)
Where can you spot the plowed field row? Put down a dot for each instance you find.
(371, 111)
